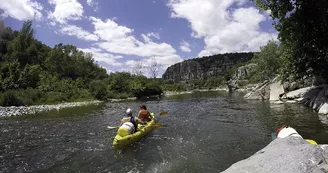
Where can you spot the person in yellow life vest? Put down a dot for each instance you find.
(129, 124)
(144, 114)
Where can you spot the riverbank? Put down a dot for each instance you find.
(170, 93)
(24, 110)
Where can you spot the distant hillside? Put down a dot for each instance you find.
(205, 67)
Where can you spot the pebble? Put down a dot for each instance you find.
(23, 110)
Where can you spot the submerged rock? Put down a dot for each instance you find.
(290, 154)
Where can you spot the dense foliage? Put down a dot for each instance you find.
(303, 33)
(268, 63)
(33, 73)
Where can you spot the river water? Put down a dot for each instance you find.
(203, 132)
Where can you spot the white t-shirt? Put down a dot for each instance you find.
(288, 132)
(128, 126)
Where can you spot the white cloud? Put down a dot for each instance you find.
(110, 30)
(102, 56)
(73, 30)
(119, 39)
(185, 46)
(21, 9)
(146, 38)
(94, 4)
(66, 10)
(155, 35)
(223, 29)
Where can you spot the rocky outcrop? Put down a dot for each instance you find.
(276, 90)
(260, 92)
(315, 97)
(290, 154)
(243, 72)
(184, 71)
(203, 68)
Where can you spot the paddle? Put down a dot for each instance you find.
(156, 125)
(164, 113)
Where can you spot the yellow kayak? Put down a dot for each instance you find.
(123, 141)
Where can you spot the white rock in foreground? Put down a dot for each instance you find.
(290, 155)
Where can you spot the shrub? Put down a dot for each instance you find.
(10, 99)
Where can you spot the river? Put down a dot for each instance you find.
(203, 132)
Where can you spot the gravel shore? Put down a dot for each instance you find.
(23, 110)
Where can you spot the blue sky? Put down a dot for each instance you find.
(120, 32)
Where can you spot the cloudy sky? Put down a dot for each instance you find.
(118, 32)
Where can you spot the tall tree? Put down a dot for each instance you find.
(153, 68)
(22, 47)
(303, 31)
(138, 68)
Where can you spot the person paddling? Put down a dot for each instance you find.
(130, 123)
(144, 114)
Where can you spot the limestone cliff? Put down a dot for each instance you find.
(203, 68)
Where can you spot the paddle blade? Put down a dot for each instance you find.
(157, 125)
(163, 113)
(311, 141)
(112, 127)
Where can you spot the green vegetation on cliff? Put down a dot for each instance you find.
(303, 34)
(33, 73)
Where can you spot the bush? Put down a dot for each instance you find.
(55, 97)
(98, 89)
(10, 99)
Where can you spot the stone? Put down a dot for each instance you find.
(298, 93)
(22, 110)
(290, 154)
(323, 109)
(276, 89)
(243, 71)
(261, 92)
(278, 102)
(291, 101)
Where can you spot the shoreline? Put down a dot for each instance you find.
(33, 109)
(25, 110)
(171, 93)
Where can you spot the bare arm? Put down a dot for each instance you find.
(139, 114)
(150, 117)
(139, 121)
(123, 121)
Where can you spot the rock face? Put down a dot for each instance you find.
(202, 68)
(184, 71)
(276, 90)
(290, 154)
(243, 71)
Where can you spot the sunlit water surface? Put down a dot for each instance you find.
(203, 132)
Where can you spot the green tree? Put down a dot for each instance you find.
(268, 62)
(10, 75)
(302, 26)
(22, 47)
